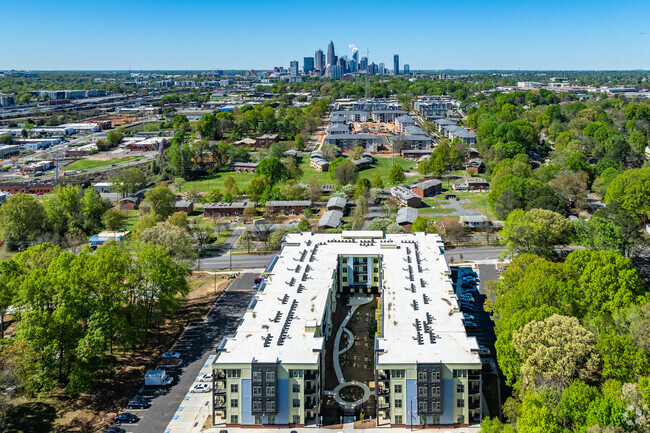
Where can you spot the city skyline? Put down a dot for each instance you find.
(472, 36)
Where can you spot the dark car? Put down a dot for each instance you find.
(126, 417)
(114, 429)
(139, 403)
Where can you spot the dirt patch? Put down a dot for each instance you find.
(351, 393)
(358, 363)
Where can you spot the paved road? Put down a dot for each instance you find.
(196, 344)
(375, 211)
(239, 261)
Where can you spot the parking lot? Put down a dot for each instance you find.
(197, 350)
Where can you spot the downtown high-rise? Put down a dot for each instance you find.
(396, 64)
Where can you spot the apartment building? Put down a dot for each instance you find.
(427, 369)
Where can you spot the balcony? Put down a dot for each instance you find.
(383, 388)
(474, 389)
(474, 404)
(310, 404)
(220, 390)
(220, 403)
(311, 374)
(311, 390)
(382, 375)
(383, 403)
(474, 375)
(219, 374)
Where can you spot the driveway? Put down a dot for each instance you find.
(374, 211)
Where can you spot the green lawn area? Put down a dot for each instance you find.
(87, 164)
(480, 200)
(434, 206)
(132, 217)
(213, 181)
(146, 126)
(381, 167)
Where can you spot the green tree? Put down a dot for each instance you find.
(537, 416)
(299, 142)
(304, 226)
(256, 187)
(175, 240)
(537, 231)
(162, 201)
(600, 234)
(377, 182)
(129, 181)
(631, 191)
(21, 221)
(346, 172)
(272, 168)
(179, 219)
(396, 174)
(555, 351)
(113, 219)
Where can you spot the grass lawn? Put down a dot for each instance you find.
(146, 126)
(480, 200)
(87, 164)
(381, 167)
(213, 181)
(132, 217)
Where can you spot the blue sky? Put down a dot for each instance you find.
(242, 34)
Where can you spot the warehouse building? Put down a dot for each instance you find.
(427, 370)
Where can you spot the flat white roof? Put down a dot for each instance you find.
(414, 269)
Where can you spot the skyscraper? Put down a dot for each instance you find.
(355, 59)
(396, 64)
(293, 68)
(407, 69)
(319, 61)
(307, 65)
(363, 64)
(331, 56)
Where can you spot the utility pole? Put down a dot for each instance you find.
(56, 167)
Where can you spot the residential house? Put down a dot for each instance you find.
(266, 140)
(350, 141)
(475, 166)
(214, 210)
(106, 236)
(427, 188)
(472, 184)
(288, 207)
(406, 217)
(186, 206)
(337, 203)
(475, 222)
(243, 167)
(405, 196)
(331, 219)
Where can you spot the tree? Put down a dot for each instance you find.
(179, 182)
(362, 187)
(314, 189)
(22, 219)
(423, 167)
(630, 190)
(396, 174)
(346, 172)
(114, 137)
(555, 351)
(453, 230)
(357, 152)
(575, 402)
(386, 225)
(537, 231)
(129, 181)
(113, 219)
(293, 169)
(272, 168)
(360, 213)
(175, 240)
(162, 201)
(537, 416)
(299, 142)
(573, 187)
(256, 187)
(600, 234)
(397, 144)
(201, 229)
(178, 219)
(304, 226)
(377, 182)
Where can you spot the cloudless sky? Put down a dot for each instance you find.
(254, 34)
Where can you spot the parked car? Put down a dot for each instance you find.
(126, 417)
(201, 387)
(466, 297)
(468, 316)
(171, 355)
(114, 429)
(469, 324)
(138, 403)
(484, 351)
(206, 377)
(466, 307)
(467, 285)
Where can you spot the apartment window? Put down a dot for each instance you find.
(296, 419)
(422, 375)
(296, 402)
(257, 391)
(460, 373)
(257, 406)
(398, 419)
(270, 375)
(258, 419)
(296, 387)
(397, 373)
(436, 408)
(270, 406)
(271, 419)
(460, 402)
(422, 391)
(460, 419)
(295, 373)
(234, 402)
(460, 388)
(422, 406)
(436, 418)
(375, 260)
(270, 391)
(398, 389)
(345, 279)
(234, 419)
(376, 279)
(257, 376)
(435, 376)
(398, 402)
(234, 388)
(233, 373)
